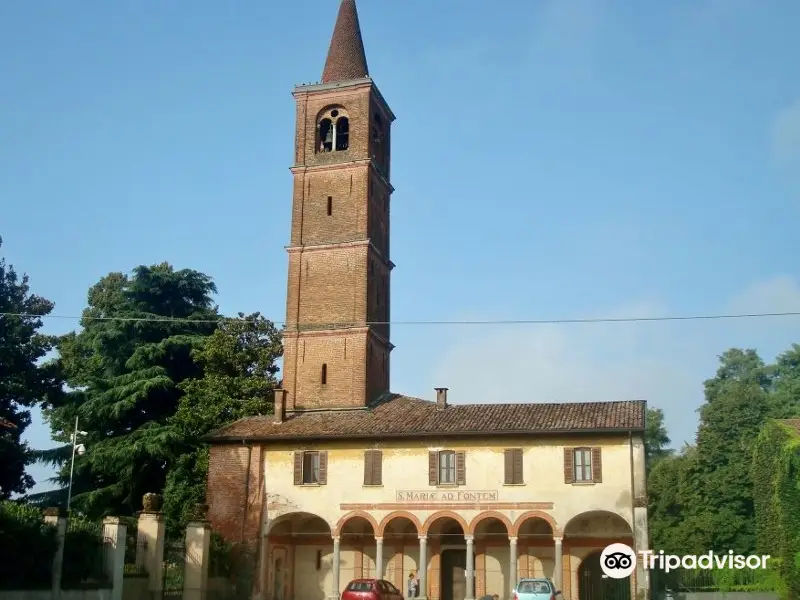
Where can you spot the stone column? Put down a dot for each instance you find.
(114, 551)
(58, 519)
(336, 563)
(195, 574)
(513, 558)
(641, 543)
(379, 557)
(150, 542)
(470, 567)
(423, 568)
(558, 569)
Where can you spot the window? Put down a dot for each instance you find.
(319, 559)
(373, 467)
(311, 467)
(447, 467)
(513, 466)
(583, 465)
(330, 205)
(326, 133)
(342, 133)
(323, 378)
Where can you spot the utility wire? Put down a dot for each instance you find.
(712, 317)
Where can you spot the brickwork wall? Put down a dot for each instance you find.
(232, 515)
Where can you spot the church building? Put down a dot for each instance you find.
(350, 480)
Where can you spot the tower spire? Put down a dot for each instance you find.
(346, 57)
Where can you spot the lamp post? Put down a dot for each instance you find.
(78, 449)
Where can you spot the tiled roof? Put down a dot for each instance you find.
(793, 423)
(346, 57)
(403, 416)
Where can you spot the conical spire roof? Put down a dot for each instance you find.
(346, 57)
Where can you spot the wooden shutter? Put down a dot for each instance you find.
(569, 465)
(433, 468)
(597, 465)
(377, 467)
(461, 468)
(508, 462)
(298, 468)
(323, 468)
(517, 465)
(369, 461)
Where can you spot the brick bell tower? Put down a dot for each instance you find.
(336, 340)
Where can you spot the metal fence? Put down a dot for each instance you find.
(84, 564)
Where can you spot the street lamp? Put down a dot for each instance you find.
(78, 449)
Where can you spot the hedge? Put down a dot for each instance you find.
(30, 545)
(776, 485)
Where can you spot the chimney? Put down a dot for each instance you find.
(280, 405)
(441, 398)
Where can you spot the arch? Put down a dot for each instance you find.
(299, 519)
(327, 112)
(613, 523)
(444, 514)
(592, 583)
(342, 133)
(490, 514)
(355, 514)
(534, 514)
(398, 514)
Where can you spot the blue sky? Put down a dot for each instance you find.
(552, 159)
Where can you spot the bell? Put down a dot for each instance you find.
(329, 136)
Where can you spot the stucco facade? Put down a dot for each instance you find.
(380, 529)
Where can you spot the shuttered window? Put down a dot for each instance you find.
(583, 465)
(513, 466)
(310, 468)
(447, 467)
(373, 467)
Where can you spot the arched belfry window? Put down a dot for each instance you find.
(342, 133)
(333, 131)
(326, 133)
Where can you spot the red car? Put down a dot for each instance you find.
(371, 589)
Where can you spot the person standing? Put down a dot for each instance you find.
(413, 585)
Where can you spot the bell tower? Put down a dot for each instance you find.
(336, 339)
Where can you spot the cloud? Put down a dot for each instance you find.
(785, 134)
(662, 362)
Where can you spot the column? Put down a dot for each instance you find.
(114, 553)
(513, 566)
(198, 556)
(470, 566)
(558, 569)
(336, 562)
(379, 557)
(423, 567)
(58, 519)
(151, 530)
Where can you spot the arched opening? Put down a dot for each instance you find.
(304, 538)
(447, 533)
(400, 534)
(493, 555)
(359, 551)
(536, 548)
(342, 133)
(326, 134)
(593, 585)
(587, 534)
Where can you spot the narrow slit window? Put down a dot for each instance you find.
(324, 374)
(330, 205)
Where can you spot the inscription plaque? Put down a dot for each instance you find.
(446, 496)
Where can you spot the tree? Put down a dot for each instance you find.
(24, 382)
(239, 361)
(124, 370)
(656, 440)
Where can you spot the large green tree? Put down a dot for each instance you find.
(656, 439)
(24, 381)
(124, 370)
(239, 361)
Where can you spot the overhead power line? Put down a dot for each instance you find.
(712, 317)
